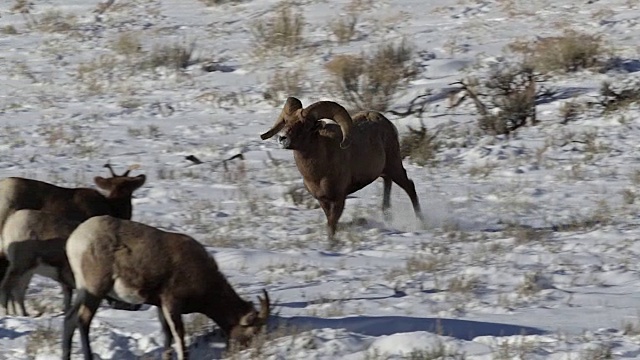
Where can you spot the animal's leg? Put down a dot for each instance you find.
(333, 211)
(399, 176)
(19, 290)
(5, 295)
(14, 286)
(386, 198)
(326, 207)
(168, 335)
(174, 319)
(65, 276)
(4, 265)
(66, 294)
(85, 315)
(80, 315)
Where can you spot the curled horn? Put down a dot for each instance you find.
(291, 105)
(334, 111)
(265, 305)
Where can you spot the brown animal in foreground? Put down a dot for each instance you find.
(337, 160)
(141, 264)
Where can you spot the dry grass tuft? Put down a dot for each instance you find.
(42, 340)
(281, 33)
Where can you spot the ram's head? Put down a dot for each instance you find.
(296, 125)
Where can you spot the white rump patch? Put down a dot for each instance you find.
(126, 293)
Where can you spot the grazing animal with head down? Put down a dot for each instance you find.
(140, 264)
(33, 241)
(337, 160)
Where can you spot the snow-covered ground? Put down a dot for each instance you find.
(563, 284)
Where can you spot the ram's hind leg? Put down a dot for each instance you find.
(399, 176)
(386, 198)
(80, 315)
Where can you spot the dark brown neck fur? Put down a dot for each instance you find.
(225, 306)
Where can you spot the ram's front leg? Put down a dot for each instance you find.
(333, 211)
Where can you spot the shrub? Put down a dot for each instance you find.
(282, 32)
(370, 82)
(9, 30)
(619, 96)
(177, 56)
(419, 146)
(569, 52)
(344, 28)
(128, 44)
(55, 21)
(283, 84)
(506, 99)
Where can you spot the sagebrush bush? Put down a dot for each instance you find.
(506, 99)
(9, 30)
(618, 96)
(344, 28)
(284, 83)
(283, 31)
(572, 51)
(54, 20)
(128, 44)
(420, 146)
(177, 56)
(370, 82)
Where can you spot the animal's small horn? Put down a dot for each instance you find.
(131, 167)
(334, 111)
(291, 105)
(108, 166)
(264, 306)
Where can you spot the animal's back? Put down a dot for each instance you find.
(76, 204)
(29, 224)
(137, 256)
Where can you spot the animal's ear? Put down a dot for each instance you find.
(136, 182)
(105, 184)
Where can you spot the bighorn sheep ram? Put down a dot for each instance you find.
(337, 160)
(72, 204)
(141, 264)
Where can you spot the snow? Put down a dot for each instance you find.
(562, 284)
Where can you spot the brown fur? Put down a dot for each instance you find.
(169, 270)
(71, 204)
(33, 238)
(332, 171)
